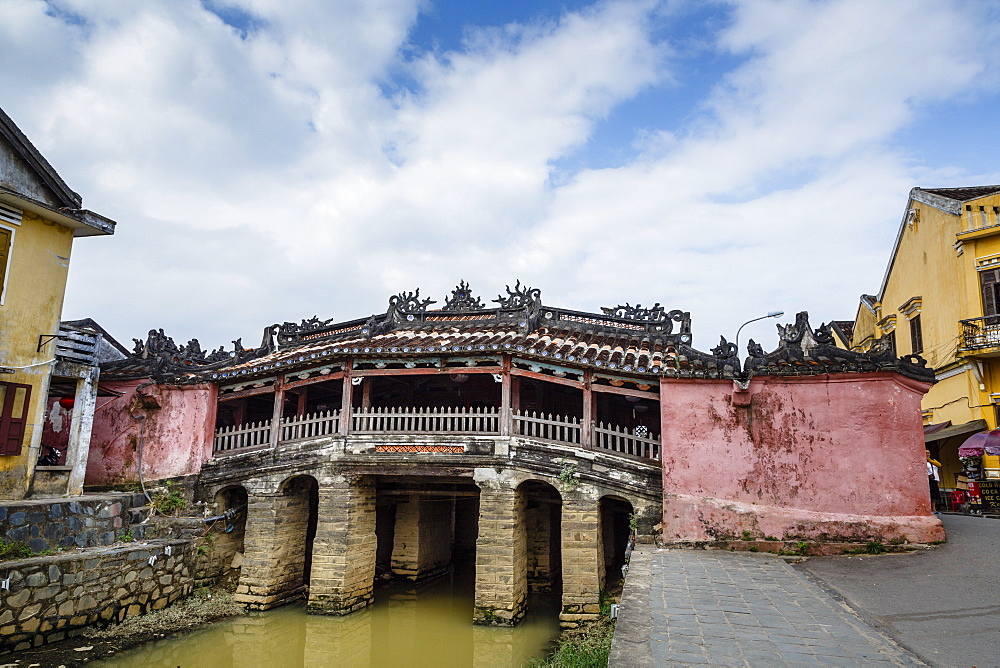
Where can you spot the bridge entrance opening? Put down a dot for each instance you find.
(229, 533)
(313, 398)
(636, 415)
(426, 526)
(616, 519)
(454, 390)
(543, 535)
(298, 512)
(256, 409)
(538, 396)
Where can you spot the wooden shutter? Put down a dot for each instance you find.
(916, 335)
(989, 282)
(14, 401)
(5, 236)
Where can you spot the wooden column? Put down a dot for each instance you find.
(279, 406)
(506, 414)
(348, 399)
(515, 399)
(366, 394)
(300, 408)
(589, 411)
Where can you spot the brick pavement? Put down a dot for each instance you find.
(691, 607)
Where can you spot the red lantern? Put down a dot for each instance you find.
(67, 402)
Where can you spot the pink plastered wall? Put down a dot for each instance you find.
(176, 441)
(837, 456)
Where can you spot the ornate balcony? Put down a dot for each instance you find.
(980, 334)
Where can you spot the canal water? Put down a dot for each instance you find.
(429, 625)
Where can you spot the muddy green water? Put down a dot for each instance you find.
(430, 625)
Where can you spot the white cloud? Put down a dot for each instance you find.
(279, 173)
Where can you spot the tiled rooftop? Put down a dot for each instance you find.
(963, 194)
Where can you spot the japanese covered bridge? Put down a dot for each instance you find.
(531, 441)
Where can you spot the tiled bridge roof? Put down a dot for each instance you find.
(625, 340)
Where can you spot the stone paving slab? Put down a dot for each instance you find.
(698, 607)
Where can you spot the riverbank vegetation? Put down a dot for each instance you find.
(201, 607)
(585, 647)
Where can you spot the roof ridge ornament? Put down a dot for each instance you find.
(406, 306)
(526, 299)
(519, 298)
(801, 349)
(628, 312)
(462, 300)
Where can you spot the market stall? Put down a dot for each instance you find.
(980, 478)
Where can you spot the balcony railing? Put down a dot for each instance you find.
(241, 438)
(457, 421)
(324, 423)
(979, 333)
(642, 443)
(484, 421)
(553, 428)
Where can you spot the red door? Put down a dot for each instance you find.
(14, 400)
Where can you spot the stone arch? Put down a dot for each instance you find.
(542, 521)
(298, 513)
(224, 556)
(615, 521)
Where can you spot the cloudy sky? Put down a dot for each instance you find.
(271, 160)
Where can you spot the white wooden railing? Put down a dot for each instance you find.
(552, 428)
(485, 421)
(311, 425)
(426, 421)
(240, 438)
(616, 439)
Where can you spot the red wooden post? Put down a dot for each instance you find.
(279, 407)
(506, 397)
(366, 394)
(589, 411)
(348, 398)
(300, 409)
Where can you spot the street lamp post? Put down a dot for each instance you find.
(770, 314)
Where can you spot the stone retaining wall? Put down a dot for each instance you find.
(47, 599)
(83, 521)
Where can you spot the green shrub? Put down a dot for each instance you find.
(874, 547)
(588, 648)
(169, 500)
(14, 549)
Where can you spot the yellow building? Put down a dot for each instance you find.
(39, 219)
(940, 298)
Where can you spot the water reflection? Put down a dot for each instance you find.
(429, 625)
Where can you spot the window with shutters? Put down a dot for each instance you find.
(14, 400)
(890, 342)
(990, 282)
(6, 237)
(916, 335)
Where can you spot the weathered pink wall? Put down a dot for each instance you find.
(177, 438)
(841, 455)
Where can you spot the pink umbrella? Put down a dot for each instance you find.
(977, 444)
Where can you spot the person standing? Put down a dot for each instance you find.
(933, 478)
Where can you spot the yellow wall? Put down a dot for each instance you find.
(936, 260)
(928, 265)
(864, 329)
(32, 305)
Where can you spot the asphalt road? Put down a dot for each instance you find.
(943, 604)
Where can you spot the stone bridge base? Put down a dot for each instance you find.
(324, 531)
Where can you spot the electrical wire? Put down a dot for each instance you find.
(31, 365)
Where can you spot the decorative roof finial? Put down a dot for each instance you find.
(462, 300)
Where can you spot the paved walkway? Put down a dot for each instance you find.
(688, 607)
(942, 604)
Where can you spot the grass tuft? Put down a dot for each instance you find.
(586, 647)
